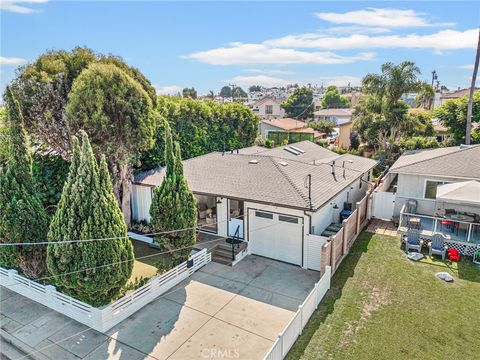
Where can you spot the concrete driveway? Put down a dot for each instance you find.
(220, 312)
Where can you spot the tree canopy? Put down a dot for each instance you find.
(189, 93)
(92, 271)
(22, 217)
(299, 105)
(226, 91)
(114, 109)
(173, 206)
(453, 115)
(425, 97)
(332, 99)
(253, 88)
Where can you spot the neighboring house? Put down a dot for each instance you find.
(264, 195)
(455, 95)
(417, 174)
(339, 116)
(288, 125)
(344, 135)
(441, 132)
(354, 97)
(268, 108)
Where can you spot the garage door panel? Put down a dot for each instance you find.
(276, 236)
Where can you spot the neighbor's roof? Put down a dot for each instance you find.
(276, 176)
(457, 94)
(267, 98)
(285, 124)
(461, 192)
(334, 112)
(456, 161)
(151, 177)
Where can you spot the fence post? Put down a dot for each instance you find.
(280, 341)
(332, 253)
(50, 290)
(11, 276)
(357, 230)
(300, 309)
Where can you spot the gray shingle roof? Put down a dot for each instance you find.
(455, 161)
(277, 178)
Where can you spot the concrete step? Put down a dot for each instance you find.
(13, 349)
(238, 248)
(223, 252)
(222, 260)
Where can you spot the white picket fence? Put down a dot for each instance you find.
(294, 328)
(102, 319)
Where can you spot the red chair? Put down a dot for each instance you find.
(453, 255)
(446, 223)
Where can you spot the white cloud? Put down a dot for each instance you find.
(168, 90)
(12, 61)
(386, 17)
(467, 67)
(262, 80)
(239, 53)
(269, 71)
(441, 40)
(357, 30)
(17, 6)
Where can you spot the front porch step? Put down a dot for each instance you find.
(222, 253)
(222, 260)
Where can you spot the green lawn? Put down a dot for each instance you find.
(384, 306)
(144, 267)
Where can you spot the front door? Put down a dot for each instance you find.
(235, 217)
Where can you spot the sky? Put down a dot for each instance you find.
(211, 44)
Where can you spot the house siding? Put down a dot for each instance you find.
(413, 187)
(264, 129)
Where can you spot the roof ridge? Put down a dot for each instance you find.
(303, 196)
(440, 155)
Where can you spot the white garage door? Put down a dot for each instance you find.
(276, 236)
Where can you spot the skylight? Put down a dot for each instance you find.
(297, 149)
(292, 151)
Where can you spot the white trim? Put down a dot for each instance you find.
(440, 176)
(425, 187)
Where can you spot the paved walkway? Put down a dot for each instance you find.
(220, 312)
(382, 227)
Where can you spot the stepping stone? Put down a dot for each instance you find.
(415, 256)
(445, 276)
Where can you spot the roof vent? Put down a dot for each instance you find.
(298, 149)
(292, 151)
(283, 163)
(253, 161)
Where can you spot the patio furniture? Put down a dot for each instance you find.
(413, 240)
(414, 223)
(447, 223)
(411, 206)
(453, 255)
(461, 217)
(437, 246)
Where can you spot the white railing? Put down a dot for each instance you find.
(102, 319)
(294, 328)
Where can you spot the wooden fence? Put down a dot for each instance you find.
(102, 319)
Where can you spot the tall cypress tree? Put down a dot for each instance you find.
(91, 271)
(173, 206)
(22, 217)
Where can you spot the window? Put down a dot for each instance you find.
(431, 188)
(263, 215)
(268, 109)
(207, 212)
(289, 219)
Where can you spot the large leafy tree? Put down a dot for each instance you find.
(173, 206)
(332, 99)
(189, 93)
(91, 271)
(299, 105)
(22, 217)
(380, 116)
(226, 91)
(425, 97)
(117, 113)
(453, 115)
(200, 127)
(44, 89)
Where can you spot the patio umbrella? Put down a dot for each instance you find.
(466, 192)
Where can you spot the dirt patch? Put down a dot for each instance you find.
(379, 297)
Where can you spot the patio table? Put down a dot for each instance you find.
(461, 217)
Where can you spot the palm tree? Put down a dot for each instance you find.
(472, 90)
(425, 97)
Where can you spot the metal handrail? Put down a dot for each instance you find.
(235, 236)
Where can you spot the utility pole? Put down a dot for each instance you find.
(233, 91)
(434, 76)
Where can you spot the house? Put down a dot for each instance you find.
(344, 135)
(339, 116)
(441, 132)
(354, 97)
(268, 108)
(279, 201)
(288, 125)
(416, 187)
(453, 95)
